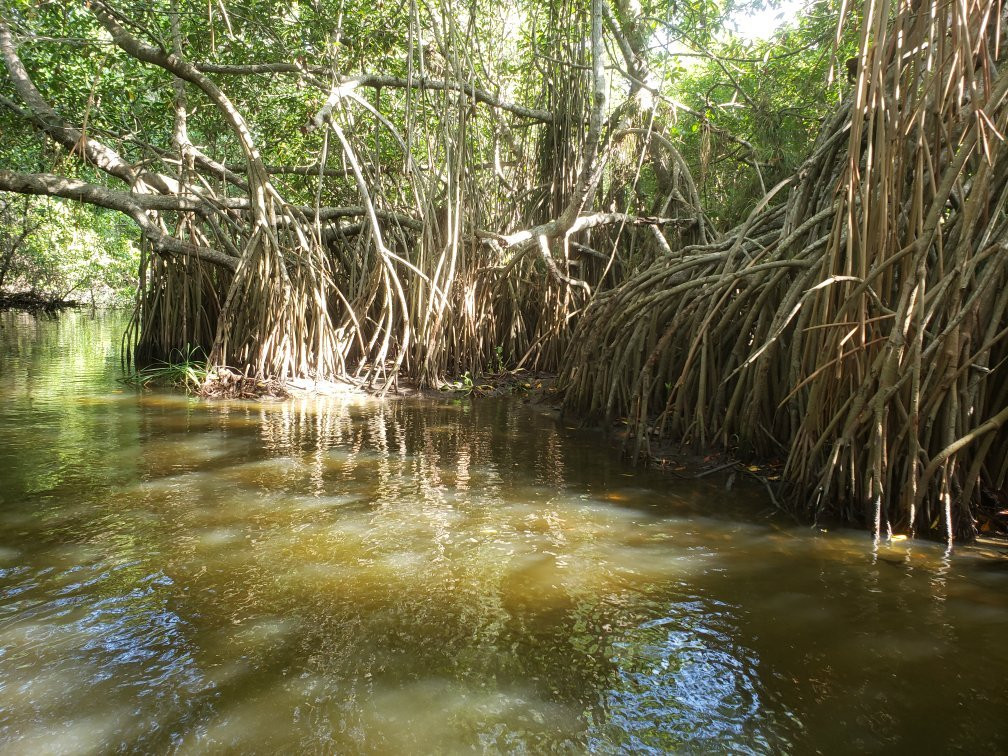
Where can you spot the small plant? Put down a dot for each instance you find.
(188, 371)
(500, 358)
(463, 385)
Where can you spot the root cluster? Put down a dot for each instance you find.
(855, 324)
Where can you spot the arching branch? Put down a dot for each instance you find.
(135, 206)
(378, 81)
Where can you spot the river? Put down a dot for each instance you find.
(346, 575)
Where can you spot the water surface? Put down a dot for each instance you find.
(354, 576)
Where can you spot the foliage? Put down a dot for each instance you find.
(747, 111)
(70, 251)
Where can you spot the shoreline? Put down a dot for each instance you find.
(32, 302)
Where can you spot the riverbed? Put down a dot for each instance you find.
(348, 575)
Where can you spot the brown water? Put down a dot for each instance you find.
(356, 576)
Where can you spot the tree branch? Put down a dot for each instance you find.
(133, 205)
(181, 68)
(590, 172)
(48, 120)
(378, 81)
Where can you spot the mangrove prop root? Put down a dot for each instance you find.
(858, 329)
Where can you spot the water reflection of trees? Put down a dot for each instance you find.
(61, 410)
(405, 576)
(430, 444)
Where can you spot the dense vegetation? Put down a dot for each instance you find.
(52, 251)
(792, 249)
(450, 128)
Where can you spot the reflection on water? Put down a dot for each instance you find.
(349, 575)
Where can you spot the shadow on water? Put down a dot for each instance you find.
(362, 576)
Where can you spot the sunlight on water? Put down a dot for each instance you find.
(386, 577)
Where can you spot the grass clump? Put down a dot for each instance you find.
(183, 369)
